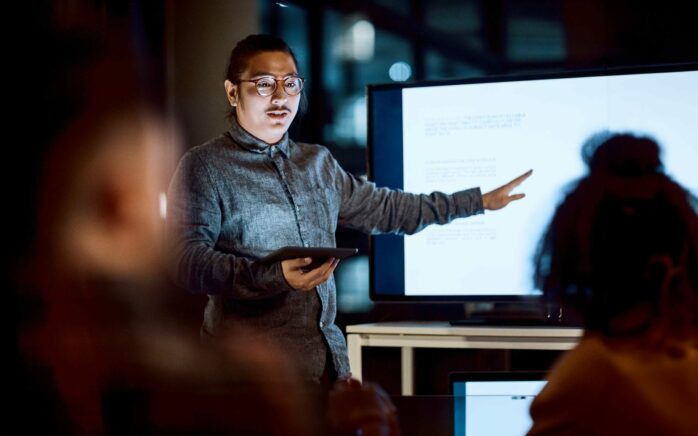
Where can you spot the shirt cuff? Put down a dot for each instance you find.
(468, 202)
(279, 279)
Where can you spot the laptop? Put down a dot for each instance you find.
(493, 403)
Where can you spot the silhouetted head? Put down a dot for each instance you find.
(626, 237)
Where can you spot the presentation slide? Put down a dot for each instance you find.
(462, 136)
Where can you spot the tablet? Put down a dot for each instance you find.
(318, 254)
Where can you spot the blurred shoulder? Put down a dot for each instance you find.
(583, 368)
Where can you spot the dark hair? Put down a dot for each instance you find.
(607, 247)
(245, 49)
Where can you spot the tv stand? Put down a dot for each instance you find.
(513, 314)
(524, 313)
(501, 322)
(410, 335)
(506, 314)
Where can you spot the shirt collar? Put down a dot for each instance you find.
(252, 143)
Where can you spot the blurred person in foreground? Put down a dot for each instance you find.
(622, 254)
(119, 360)
(252, 190)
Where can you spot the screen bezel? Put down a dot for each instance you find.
(371, 132)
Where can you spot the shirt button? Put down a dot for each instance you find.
(322, 324)
(273, 148)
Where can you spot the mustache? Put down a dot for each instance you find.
(279, 108)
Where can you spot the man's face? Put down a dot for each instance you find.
(267, 118)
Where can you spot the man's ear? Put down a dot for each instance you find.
(231, 91)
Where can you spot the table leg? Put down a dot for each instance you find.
(354, 351)
(407, 373)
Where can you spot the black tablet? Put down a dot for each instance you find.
(318, 254)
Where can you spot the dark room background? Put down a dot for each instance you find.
(180, 49)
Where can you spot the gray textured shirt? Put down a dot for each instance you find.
(236, 198)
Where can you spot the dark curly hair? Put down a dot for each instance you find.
(608, 246)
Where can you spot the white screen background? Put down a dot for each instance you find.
(461, 136)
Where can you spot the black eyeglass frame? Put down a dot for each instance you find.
(272, 90)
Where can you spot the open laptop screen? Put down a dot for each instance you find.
(494, 403)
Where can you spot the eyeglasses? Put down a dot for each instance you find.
(266, 85)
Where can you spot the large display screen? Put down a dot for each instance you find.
(448, 136)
